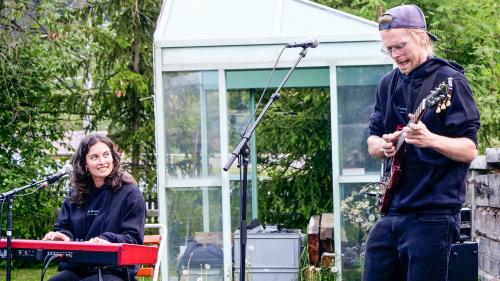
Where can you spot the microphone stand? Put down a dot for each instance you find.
(242, 151)
(9, 196)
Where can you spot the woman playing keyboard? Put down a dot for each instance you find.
(104, 205)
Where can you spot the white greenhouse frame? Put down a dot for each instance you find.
(197, 39)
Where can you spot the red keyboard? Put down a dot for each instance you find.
(81, 252)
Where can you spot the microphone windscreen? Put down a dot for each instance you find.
(67, 169)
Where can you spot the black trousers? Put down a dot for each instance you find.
(411, 247)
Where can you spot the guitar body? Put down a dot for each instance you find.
(391, 172)
(391, 169)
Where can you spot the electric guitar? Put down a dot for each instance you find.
(391, 166)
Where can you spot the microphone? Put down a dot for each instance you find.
(308, 43)
(66, 169)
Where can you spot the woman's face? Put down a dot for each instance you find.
(99, 162)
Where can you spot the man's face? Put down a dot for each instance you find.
(403, 49)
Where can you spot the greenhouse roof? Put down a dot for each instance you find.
(185, 23)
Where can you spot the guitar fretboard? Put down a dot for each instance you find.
(435, 97)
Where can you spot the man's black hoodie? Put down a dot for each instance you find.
(430, 181)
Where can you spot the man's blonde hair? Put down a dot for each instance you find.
(423, 41)
(385, 19)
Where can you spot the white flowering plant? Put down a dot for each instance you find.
(320, 273)
(360, 208)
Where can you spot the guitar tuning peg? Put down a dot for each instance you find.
(443, 106)
(438, 109)
(448, 103)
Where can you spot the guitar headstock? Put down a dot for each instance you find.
(441, 96)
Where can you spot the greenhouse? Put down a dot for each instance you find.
(212, 60)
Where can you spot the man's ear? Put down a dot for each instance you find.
(423, 38)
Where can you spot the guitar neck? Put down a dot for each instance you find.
(441, 97)
(417, 115)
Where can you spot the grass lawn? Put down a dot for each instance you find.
(27, 274)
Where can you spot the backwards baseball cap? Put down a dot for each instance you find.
(406, 16)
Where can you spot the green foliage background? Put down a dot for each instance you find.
(33, 105)
(468, 34)
(66, 61)
(62, 62)
(295, 154)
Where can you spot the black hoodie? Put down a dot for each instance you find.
(117, 217)
(430, 181)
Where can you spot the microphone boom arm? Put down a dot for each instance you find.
(9, 197)
(242, 151)
(248, 133)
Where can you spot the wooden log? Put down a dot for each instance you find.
(484, 185)
(313, 240)
(479, 163)
(326, 233)
(327, 259)
(326, 226)
(487, 190)
(489, 255)
(486, 221)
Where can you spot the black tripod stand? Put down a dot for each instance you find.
(242, 151)
(9, 197)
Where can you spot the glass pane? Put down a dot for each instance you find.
(359, 213)
(195, 225)
(240, 105)
(191, 104)
(234, 187)
(239, 110)
(356, 90)
(304, 86)
(256, 79)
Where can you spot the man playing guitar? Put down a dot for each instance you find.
(412, 240)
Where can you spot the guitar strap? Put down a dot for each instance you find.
(425, 89)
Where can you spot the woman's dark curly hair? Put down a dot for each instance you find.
(81, 179)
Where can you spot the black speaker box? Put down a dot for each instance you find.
(463, 264)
